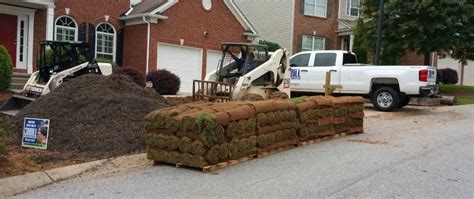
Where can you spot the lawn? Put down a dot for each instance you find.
(464, 94)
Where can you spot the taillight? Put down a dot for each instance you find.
(423, 75)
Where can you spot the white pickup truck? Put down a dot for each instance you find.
(389, 87)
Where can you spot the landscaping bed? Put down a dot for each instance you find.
(91, 117)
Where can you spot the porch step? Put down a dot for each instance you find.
(15, 74)
(17, 85)
(19, 80)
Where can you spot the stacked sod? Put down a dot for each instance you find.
(199, 134)
(277, 124)
(325, 116)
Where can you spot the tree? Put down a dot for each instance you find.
(272, 46)
(425, 26)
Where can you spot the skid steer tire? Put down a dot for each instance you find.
(252, 97)
(278, 95)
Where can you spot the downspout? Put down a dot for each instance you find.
(147, 45)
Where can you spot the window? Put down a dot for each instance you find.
(325, 59)
(315, 7)
(66, 29)
(300, 60)
(349, 58)
(312, 43)
(353, 8)
(105, 41)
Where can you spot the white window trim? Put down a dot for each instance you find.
(22, 64)
(76, 29)
(114, 46)
(314, 8)
(349, 7)
(313, 37)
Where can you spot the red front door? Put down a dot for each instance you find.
(8, 27)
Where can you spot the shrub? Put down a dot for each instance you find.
(105, 60)
(272, 46)
(439, 76)
(450, 76)
(136, 76)
(164, 82)
(6, 68)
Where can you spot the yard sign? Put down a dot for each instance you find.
(35, 133)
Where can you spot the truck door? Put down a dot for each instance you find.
(299, 71)
(322, 63)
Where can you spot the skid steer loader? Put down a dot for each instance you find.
(246, 72)
(58, 62)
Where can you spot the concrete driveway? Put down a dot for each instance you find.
(419, 152)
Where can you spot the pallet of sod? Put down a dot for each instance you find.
(277, 125)
(201, 134)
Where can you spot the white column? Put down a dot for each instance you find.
(50, 23)
(351, 42)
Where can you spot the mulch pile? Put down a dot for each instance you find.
(94, 116)
(199, 134)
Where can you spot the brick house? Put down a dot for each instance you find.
(182, 36)
(300, 25)
(186, 44)
(25, 23)
(296, 25)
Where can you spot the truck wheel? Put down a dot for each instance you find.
(405, 100)
(386, 99)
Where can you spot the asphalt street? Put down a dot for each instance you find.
(425, 153)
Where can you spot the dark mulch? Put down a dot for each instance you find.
(92, 117)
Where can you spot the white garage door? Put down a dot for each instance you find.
(185, 62)
(213, 58)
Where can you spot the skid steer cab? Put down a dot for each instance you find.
(246, 72)
(58, 62)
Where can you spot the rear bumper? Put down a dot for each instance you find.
(428, 91)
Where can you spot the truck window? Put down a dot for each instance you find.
(349, 58)
(325, 59)
(300, 60)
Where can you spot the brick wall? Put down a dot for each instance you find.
(324, 27)
(93, 11)
(39, 34)
(135, 47)
(219, 22)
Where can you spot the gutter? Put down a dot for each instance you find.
(153, 16)
(147, 45)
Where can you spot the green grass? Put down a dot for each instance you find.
(463, 100)
(464, 94)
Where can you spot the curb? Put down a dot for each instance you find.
(22, 183)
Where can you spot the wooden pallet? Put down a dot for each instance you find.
(326, 138)
(262, 154)
(209, 168)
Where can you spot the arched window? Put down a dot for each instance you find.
(65, 29)
(105, 41)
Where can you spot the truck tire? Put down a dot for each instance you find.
(386, 99)
(404, 100)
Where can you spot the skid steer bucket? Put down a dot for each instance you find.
(13, 105)
(212, 91)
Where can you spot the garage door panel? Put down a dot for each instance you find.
(185, 62)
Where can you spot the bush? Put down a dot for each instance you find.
(164, 82)
(6, 68)
(439, 76)
(448, 76)
(136, 76)
(272, 46)
(105, 60)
